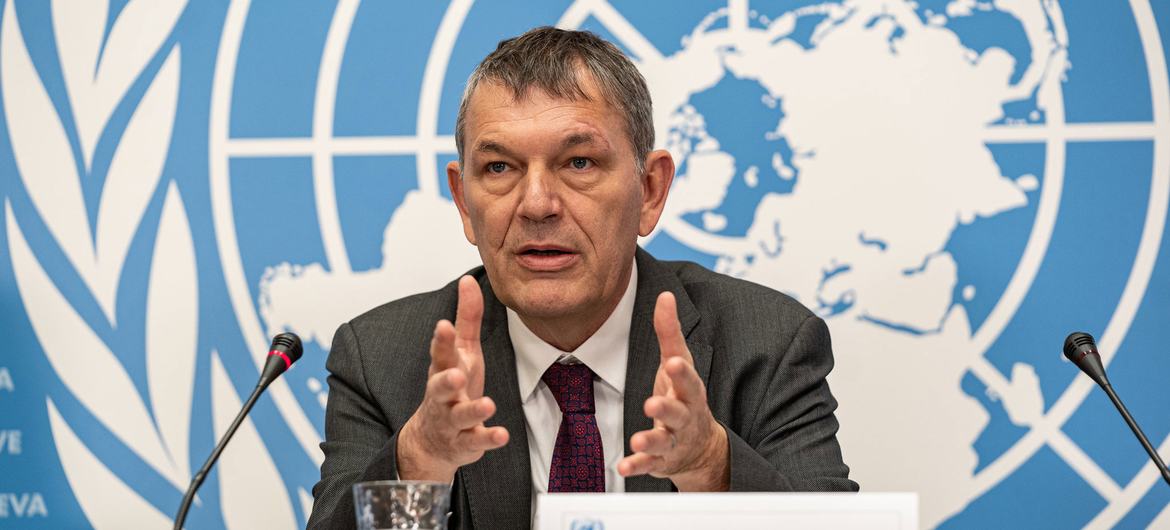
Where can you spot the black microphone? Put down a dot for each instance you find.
(285, 350)
(1081, 349)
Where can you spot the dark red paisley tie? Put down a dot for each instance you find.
(578, 462)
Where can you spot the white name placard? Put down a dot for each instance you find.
(695, 511)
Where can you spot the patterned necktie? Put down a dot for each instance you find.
(578, 462)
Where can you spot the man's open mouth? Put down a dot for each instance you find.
(546, 258)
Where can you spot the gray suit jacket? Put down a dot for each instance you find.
(762, 355)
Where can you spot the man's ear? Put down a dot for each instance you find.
(455, 183)
(656, 181)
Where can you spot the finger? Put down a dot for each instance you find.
(467, 414)
(674, 414)
(446, 386)
(654, 442)
(640, 464)
(685, 382)
(443, 354)
(469, 314)
(670, 339)
(481, 438)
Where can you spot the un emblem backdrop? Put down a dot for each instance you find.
(953, 184)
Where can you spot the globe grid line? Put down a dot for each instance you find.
(430, 93)
(337, 146)
(1154, 50)
(1070, 132)
(737, 16)
(380, 145)
(1036, 249)
(427, 145)
(223, 220)
(1043, 431)
(618, 25)
(221, 148)
(325, 99)
(1072, 453)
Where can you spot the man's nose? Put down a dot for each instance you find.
(540, 200)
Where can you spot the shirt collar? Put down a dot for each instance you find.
(605, 352)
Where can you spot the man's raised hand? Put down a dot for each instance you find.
(686, 444)
(447, 430)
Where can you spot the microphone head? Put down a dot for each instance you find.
(285, 350)
(1081, 349)
(289, 344)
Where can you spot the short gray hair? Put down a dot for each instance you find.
(548, 58)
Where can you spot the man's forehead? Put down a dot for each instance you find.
(496, 117)
(580, 136)
(493, 93)
(579, 84)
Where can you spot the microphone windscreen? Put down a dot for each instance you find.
(289, 344)
(1081, 349)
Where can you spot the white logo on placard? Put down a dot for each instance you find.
(587, 524)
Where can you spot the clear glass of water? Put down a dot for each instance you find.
(401, 504)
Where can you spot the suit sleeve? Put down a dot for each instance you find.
(359, 446)
(792, 445)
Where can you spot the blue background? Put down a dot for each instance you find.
(1103, 208)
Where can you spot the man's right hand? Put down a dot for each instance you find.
(447, 430)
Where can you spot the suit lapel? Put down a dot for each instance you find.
(653, 279)
(499, 485)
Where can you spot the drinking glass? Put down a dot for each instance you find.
(401, 504)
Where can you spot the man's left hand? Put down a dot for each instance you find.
(686, 444)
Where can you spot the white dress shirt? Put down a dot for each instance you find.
(605, 353)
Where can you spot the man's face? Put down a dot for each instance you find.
(551, 197)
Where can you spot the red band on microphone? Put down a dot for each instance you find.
(287, 363)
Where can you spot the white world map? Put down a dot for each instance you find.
(879, 180)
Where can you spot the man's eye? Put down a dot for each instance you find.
(580, 163)
(497, 167)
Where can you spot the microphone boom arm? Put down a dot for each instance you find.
(1137, 431)
(286, 349)
(200, 476)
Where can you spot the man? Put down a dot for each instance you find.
(576, 361)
